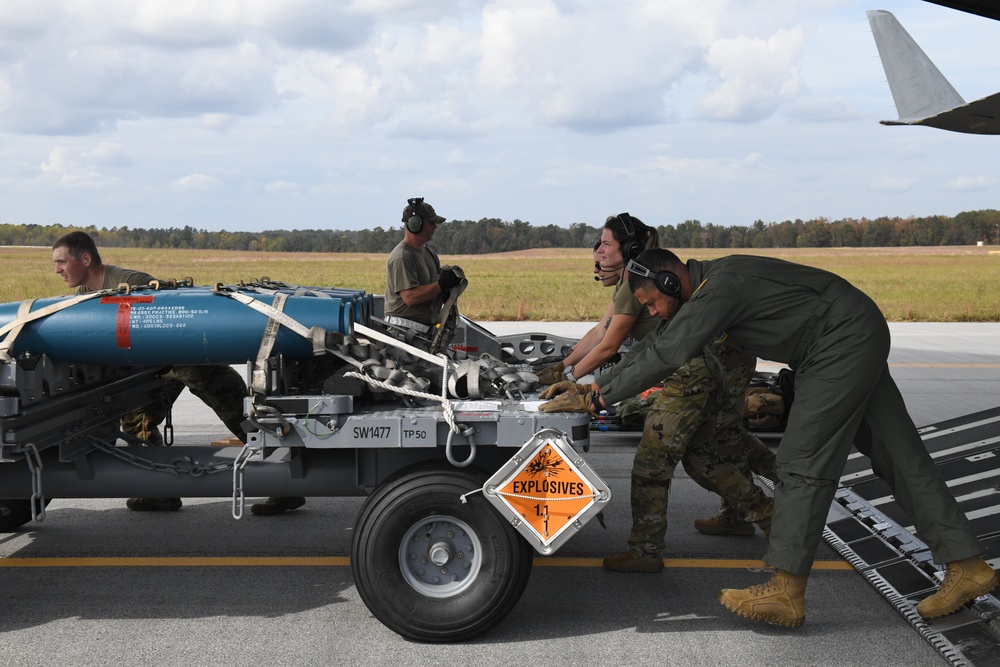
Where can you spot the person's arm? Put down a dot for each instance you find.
(420, 294)
(589, 340)
(694, 325)
(613, 338)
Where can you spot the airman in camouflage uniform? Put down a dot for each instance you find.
(78, 261)
(694, 420)
(220, 387)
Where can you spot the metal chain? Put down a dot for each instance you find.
(180, 465)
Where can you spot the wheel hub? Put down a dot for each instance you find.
(439, 556)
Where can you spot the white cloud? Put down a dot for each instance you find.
(64, 172)
(972, 183)
(181, 24)
(88, 66)
(912, 152)
(196, 183)
(893, 184)
(543, 110)
(822, 108)
(756, 75)
(568, 69)
(589, 67)
(282, 188)
(108, 154)
(218, 121)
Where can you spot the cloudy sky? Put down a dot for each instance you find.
(317, 114)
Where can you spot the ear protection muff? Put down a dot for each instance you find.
(415, 223)
(630, 246)
(666, 281)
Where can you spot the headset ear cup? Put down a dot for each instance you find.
(415, 224)
(668, 283)
(630, 246)
(631, 249)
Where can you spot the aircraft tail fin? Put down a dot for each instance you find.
(918, 87)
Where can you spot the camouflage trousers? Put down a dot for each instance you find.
(219, 387)
(761, 461)
(694, 420)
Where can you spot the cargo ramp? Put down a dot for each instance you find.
(870, 530)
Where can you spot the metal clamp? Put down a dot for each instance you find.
(34, 460)
(249, 450)
(280, 431)
(168, 427)
(468, 432)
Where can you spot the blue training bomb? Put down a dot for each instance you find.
(185, 325)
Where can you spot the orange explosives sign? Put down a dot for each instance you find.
(547, 492)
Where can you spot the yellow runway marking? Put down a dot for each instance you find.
(691, 563)
(277, 561)
(774, 367)
(341, 561)
(917, 365)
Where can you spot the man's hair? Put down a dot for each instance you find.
(654, 259)
(645, 236)
(77, 243)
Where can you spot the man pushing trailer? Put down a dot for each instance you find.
(837, 340)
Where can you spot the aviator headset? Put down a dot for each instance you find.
(415, 223)
(630, 247)
(665, 281)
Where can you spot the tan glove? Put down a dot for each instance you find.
(562, 388)
(571, 402)
(552, 374)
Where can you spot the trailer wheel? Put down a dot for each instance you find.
(15, 512)
(434, 569)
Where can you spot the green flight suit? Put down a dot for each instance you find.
(837, 340)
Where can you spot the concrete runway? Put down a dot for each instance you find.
(98, 585)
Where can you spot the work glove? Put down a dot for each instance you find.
(564, 387)
(569, 402)
(448, 278)
(552, 374)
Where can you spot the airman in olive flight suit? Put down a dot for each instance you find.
(837, 341)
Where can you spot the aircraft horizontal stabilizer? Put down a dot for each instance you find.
(979, 117)
(923, 96)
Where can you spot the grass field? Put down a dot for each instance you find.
(937, 284)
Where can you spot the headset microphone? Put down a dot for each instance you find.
(610, 269)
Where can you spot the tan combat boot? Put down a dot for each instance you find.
(780, 601)
(626, 562)
(964, 581)
(723, 525)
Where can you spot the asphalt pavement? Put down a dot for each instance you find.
(96, 584)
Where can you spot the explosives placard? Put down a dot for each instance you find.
(547, 491)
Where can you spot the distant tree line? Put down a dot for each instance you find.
(491, 235)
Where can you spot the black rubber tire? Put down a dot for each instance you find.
(15, 512)
(410, 509)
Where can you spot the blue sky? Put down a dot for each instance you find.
(315, 114)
